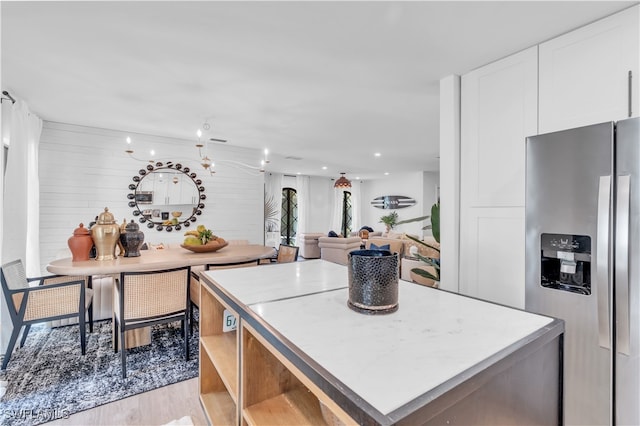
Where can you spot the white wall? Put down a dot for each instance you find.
(407, 184)
(450, 182)
(431, 182)
(84, 169)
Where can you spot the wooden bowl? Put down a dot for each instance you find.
(211, 246)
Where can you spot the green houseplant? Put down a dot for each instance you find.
(271, 216)
(390, 220)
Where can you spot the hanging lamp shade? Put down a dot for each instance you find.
(342, 182)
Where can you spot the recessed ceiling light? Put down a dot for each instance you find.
(298, 173)
(377, 154)
(324, 167)
(386, 173)
(357, 177)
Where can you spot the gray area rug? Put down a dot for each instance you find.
(49, 379)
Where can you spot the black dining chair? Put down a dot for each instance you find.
(55, 297)
(195, 282)
(143, 299)
(287, 254)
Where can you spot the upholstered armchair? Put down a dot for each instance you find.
(308, 243)
(336, 249)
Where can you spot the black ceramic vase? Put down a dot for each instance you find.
(132, 239)
(373, 281)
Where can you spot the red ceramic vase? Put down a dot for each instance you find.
(80, 243)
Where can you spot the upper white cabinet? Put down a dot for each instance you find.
(181, 190)
(584, 74)
(498, 111)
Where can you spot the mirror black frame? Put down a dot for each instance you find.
(197, 211)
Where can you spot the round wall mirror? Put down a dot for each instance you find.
(166, 196)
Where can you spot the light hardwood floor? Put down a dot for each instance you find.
(156, 407)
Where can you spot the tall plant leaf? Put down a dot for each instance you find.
(435, 221)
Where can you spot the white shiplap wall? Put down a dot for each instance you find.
(84, 169)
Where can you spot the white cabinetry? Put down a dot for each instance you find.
(498, 111)
(160, 188)
(179, 190)
(584, 73)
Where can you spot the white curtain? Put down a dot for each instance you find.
(5, 320)
(21, 207)
(304, 205)
(20, 201)
(356, 206)
(336, 215)
(273, 199)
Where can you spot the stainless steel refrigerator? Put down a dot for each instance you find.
(583, 262)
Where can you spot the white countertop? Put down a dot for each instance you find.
(388, 360)
(280, 280)
(391, 359)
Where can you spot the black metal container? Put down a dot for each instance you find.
(373, 281)
(132, 239)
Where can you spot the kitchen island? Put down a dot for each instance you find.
(299, 355)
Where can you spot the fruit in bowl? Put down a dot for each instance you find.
(202, 239)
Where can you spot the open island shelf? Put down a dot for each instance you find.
(218, 378)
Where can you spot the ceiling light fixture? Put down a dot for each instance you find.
(342, 182)
(203, 157)
(205, 161)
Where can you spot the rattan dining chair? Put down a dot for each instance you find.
(287, 254)
(55, 297)
(143, 299)
(194, 286)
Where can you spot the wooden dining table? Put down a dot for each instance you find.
(158, 259)
(155, 260)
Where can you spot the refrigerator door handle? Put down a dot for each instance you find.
(622, 265)
(602, 261)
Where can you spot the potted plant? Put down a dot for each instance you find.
(271, 222)
(435, 229)
(390, 220)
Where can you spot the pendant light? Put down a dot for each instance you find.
(342, 182)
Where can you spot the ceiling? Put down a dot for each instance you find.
(328, 83)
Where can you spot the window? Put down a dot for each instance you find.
(346, 214)
(289, 218)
